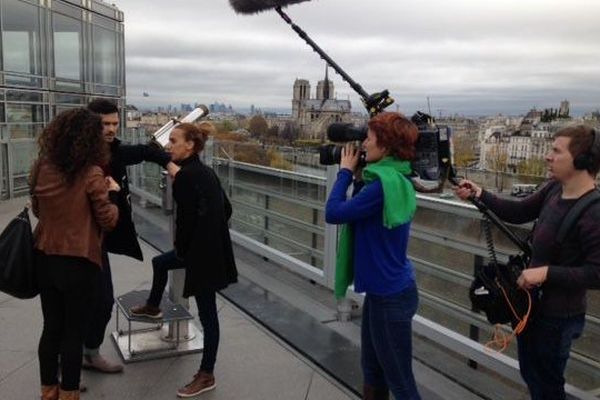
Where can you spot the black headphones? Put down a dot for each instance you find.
(590, 157)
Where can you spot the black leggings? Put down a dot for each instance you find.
(207, 311)
(67, 287)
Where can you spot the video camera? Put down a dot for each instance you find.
(433, 156)
(330, 154)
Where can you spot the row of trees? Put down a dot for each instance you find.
(259, 128)
(497, 160)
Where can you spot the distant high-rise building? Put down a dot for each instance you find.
(565, 109)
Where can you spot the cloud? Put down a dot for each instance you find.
(468, 56)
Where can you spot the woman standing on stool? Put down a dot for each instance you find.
(202, 246)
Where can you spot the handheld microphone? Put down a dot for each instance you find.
(256, 6)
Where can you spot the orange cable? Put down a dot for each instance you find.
(499, 338)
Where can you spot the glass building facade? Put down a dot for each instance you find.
(54, 55)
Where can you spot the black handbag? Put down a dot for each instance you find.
(17, 259)
(495, 292)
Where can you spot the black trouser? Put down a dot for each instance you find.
(161, 265)
(207, 311)
(206, 302)
(67, 287)
(101, 311)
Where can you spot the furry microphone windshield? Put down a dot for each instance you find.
(256, 6)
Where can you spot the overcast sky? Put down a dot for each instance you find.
(470, 57)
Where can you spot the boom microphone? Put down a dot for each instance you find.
(256, 6)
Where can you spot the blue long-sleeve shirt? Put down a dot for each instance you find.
(381, 266)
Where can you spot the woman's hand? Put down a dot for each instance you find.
(173, 169)
(113, 186)
(467, 189)
(350, 156)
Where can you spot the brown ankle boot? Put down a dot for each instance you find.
(68, 395)
(49, 392)
(374, 393)
(202, 382)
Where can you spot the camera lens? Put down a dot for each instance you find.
(330, 154)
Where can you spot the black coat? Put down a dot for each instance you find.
(123, 239)
(202, 238)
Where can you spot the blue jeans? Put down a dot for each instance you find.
(386, 348)
(543, 353)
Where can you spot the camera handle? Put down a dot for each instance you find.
(493, 218)
(374, 103)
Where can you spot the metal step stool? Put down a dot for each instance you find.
(172, 335)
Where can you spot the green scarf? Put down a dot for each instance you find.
(399, 206)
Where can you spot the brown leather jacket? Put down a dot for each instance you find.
(72, 217)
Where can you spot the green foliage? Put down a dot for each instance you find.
(276, 160)
(258, 126)
(290, 132)
(307, 143)
(534, 167)
(273, 131)
(464, 155)
(225, 126)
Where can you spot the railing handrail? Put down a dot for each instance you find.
(473, 245)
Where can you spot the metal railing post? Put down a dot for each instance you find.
(177, 276)
(331, 234)
(474, 329)
(314, 236)
(344, 305)
(266, 221)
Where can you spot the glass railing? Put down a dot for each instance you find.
(279, 214)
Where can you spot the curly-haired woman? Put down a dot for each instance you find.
(71, 200)
(373, 244)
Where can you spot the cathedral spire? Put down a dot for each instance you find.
(326, 95)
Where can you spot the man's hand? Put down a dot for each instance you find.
(467, 189)
(173, 169)
(532, 277)
(350, 157)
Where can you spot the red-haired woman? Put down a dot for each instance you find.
(373, 244)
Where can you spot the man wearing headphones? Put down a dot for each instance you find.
(559, 274)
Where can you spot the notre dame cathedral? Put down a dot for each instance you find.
(313, 115)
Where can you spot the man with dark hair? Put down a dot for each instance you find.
(123, 239)
(560, 272)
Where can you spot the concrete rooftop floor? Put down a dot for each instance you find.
(251, 364)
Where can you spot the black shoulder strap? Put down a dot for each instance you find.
(573, 215)
(555, 189)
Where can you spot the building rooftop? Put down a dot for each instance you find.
(276, 342)
(280, 335)
(252, 362)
